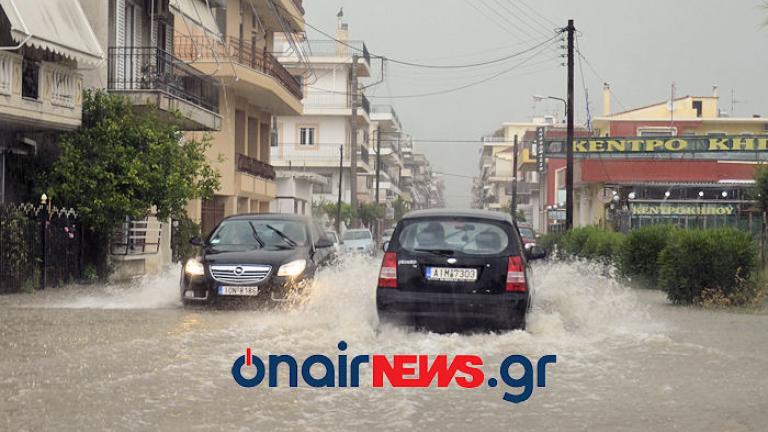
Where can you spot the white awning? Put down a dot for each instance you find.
(198, 12)
(55, 25)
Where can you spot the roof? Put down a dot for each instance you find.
(465, 213)
(55, 25)
(251, 216)
(658, 104)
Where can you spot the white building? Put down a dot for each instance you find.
(314, 142)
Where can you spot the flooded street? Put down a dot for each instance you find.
(129, 357)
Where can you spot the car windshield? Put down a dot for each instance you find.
(454, 236)
(241, 234)
(527, 233)
(357, 235)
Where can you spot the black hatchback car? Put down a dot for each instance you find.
(255, 256)
(462, 268)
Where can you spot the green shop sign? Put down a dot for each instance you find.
(646, 145)
(682, 209)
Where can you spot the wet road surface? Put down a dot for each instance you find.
(129, 357)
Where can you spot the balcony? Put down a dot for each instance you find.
(39, 95)
(387, 117)
(150, 76)
(254, 167)
(252, 71)
(254, 178)
(326, 52)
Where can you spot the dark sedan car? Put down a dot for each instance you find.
(256, 256)
(464, 268)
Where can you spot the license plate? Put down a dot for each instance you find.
(451, 274)
(238, 291)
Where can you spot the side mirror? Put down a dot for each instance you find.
(385, 246)
(196, 241)
(323, 243)
(535, 252)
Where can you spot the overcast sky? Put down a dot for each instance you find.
(640, 47)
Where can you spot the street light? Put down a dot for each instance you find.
(539, 98)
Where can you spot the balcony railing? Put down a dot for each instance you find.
(254, 167)
(150, 68)
(386, 109)
(239, 51)
(329, 48)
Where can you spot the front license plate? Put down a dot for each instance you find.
(238, 291)
(451, 274)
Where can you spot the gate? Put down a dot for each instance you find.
(39, 247)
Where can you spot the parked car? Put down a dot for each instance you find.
(464, 268)
(528, 234)
(358, 241)
(259, 256)
(334, 238)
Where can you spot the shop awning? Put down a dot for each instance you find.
(198, 13)
(54, 25)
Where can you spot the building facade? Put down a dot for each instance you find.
(336, 115)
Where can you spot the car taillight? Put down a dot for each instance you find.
(388, 273)
(515, 275)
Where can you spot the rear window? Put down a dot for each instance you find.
(356, 235)
(468, 237)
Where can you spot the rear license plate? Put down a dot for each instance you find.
(451, 274)
(238, 291)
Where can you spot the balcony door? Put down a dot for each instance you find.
(131, 58)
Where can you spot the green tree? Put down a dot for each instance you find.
(329, 209)
(369, 213)
(121, 164)
(519, 216)
(401, 207)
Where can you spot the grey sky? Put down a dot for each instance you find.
(640, 47)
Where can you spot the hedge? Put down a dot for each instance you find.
(695, 262)
(640, 251)
(714, 266)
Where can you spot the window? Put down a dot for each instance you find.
(656, 132)
(307, 136)
(698, 106)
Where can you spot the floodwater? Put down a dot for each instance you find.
(129, 357)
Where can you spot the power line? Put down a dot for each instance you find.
(465, 86)
(413, 64)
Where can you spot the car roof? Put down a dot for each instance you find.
(468, 213)
(257, 216)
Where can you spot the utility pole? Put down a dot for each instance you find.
(569, 145)
(353, 147)
(378, 162)
(341, 182)
(513, 207)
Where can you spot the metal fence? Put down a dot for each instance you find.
(150, 68)
(39, 247)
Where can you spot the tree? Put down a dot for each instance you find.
(519, 217)
(121, 164)
(401, 207)
(329, 209)
(369, 213)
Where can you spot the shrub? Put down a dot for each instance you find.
(550, 242)
(696, 264)
(602, 246)
(591, 243)
(640, 251)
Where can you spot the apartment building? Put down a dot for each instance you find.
(321, 141)
(385, 148)
(45, 46)
(254, 90)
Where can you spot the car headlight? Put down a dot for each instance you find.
(293, 268)
(193, 267)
